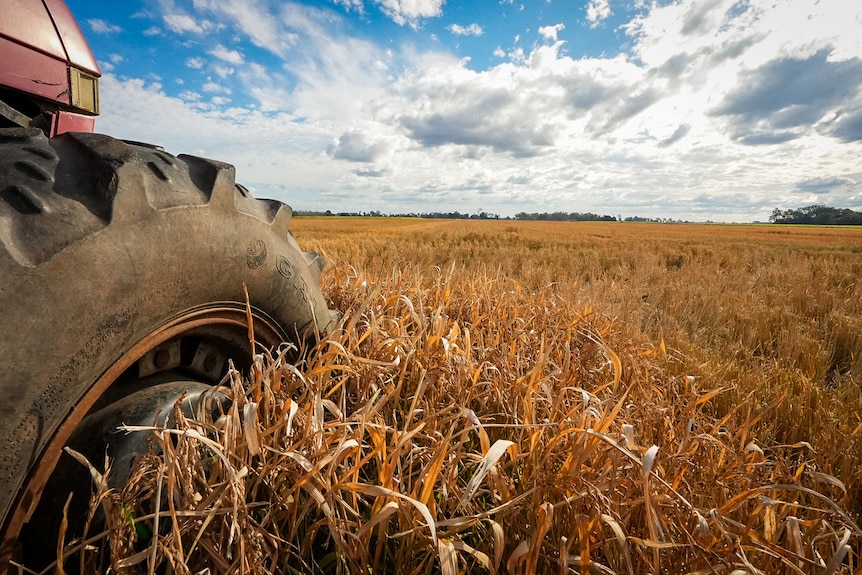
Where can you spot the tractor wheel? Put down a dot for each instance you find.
(124, 277)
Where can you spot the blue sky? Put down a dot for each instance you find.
(715, 110)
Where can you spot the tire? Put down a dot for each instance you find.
(118, 261)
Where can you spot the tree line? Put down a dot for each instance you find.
(817, 215)
(564, 217)
(481, 215)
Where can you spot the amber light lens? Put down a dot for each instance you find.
(85, 91)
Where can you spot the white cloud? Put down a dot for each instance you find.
(181, 23)
(266, 148)
(356, 5)
(336, 74)
(152, 31)
(100, 26)
(410, 12)
(227, 55)
(471, 30)
(357, 146)
(681, 132)
(598, 10)
(550, 32)
(655, 131)
(223, 71)
(517, 55)
(215, 87)
(195, 63)
(824, 185)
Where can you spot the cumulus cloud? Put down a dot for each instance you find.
(630, 106)
(780, 100)
(195, 63)
(792, 91)
(189, 96)
(823, 185)
(520, 139)
(223, 71)
(598, 10)
(356, 146)
(517, 55)
(847, 125)
(678, 134)
(357, 5)
(550, 32)
(181, 23)
(410, 12)
(227, 55)
(215, 88)
(471, 30)
(100, 26)
(704, 19)
(513, 110)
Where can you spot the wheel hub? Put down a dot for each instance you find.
(186, 356)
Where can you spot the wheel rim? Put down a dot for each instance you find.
(213, 320)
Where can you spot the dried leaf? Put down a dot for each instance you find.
(249, 427)
(488, 461)
(448, 557)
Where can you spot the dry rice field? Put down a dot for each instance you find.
(526, 397)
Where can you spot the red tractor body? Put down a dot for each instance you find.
(48, 74)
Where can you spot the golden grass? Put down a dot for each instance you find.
(519, 397)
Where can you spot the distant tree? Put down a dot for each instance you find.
(639, 219)
(817, 214)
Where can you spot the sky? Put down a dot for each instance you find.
(701, 110)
